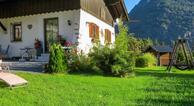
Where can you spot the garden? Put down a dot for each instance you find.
(108, 75)
(116, 60)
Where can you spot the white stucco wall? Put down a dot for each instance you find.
(37, 31)
(79, 27)
(84, 40)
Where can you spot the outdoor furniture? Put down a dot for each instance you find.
(4, 53)
(10, 79)
(4, 67)
(27, 53)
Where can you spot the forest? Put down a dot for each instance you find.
(162, 20)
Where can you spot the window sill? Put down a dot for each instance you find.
(16, 41)
(94, 40)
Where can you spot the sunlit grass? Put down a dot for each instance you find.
(151, 87)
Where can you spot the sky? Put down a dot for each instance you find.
(130, 4)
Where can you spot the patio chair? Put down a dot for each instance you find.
(4, 67)
(4, 53)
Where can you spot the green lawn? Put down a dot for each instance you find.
(151, 87)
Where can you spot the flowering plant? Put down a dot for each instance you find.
(67, 43)
(37, 43)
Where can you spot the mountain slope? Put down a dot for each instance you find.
(163, 20)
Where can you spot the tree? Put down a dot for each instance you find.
(57, 61)
(124, 57)
(121, 42)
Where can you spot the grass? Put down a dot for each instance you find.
(150, 87)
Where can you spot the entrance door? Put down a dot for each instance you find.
(51, 27)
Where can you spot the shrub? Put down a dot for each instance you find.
(112, 62)
(57, 61)
(146, 60)
(124, 64)
(115, 60)
(118, 60)
(141, 62)
(81, 63)
(124, 56)
(103, 58)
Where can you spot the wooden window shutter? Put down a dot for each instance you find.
(106, 35)
(97, 32)
(94, 31)
(109, 36)
(91, 30)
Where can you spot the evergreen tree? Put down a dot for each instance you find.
(58, 61)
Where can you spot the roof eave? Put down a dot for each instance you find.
(114, 5)
(125, 9)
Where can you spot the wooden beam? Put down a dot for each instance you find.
(119, 9)
(3, 27)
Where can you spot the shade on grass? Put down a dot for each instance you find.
(149, 87)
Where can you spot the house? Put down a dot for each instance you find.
(77, 21)
(162, 53)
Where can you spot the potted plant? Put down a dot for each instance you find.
(38, 47)
(63, 41)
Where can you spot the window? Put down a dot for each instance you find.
(93, 31)
(16, 32)
(107, 36)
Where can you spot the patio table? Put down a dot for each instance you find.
(27, 52)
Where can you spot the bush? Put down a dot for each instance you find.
(118, 60)
(103, 57)
(112, 62)
(124, 56)
(57, 61)
(81, 64)
(124, 64)
(146, 60)
(141, 62)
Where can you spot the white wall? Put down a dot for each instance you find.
(84, 40)
(79, 27)
(37, 31)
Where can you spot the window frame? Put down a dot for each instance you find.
(13, 30)
(94, 31)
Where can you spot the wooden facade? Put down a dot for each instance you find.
(103, 9)
(117, 8)
(162, 53)
(97, 8)
(165, 59)
(12, 8)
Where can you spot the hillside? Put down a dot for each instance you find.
(163, 20)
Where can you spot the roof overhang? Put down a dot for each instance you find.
(6, 0)
(117, 9)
